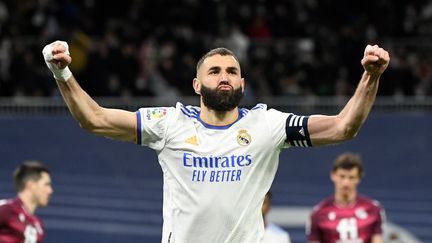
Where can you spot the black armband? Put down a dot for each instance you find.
(296, 131)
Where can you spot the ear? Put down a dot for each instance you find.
(196, 85)
(30, 184)
(242, 84)
(332, 176)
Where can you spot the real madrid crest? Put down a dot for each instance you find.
(243, 138)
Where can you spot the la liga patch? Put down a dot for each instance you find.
(156, 113)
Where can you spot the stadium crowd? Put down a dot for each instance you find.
(149, 48)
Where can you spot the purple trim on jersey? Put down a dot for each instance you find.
(190, 111)
(259, 106)
(240, 116)
(138, 117)
(243, 111)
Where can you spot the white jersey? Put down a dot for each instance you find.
(275, 234)
(216, 177)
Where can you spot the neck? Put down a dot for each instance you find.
(29, 205)
(218, 118)
(345, 199)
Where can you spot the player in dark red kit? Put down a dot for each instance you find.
(18, 224)
(346, 217)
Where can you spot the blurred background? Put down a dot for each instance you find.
(300, 56)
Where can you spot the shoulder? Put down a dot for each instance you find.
(188, 111)
(262, 109)
(8, 206)
(322, 208)
(327, 202)
(7, 202)
(156, 114)
(257, 109)
(369, 201)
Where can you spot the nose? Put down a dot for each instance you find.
(50, 191)
(223, 76)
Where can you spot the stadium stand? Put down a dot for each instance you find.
(297, 56)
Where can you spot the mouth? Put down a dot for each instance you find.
(225, 87)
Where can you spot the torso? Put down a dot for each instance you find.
(17, 225)
(215, 178)
(355, 223)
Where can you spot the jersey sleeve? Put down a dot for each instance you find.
(377, 228)
(312, 228)
(5, 211)
(289, 129)
(152, 124)
(276, 120)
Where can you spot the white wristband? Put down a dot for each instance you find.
(59, 74)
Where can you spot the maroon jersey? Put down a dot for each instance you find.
(356, 223)
(17, 225)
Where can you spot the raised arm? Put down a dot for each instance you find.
(325, 130)
(113, 123)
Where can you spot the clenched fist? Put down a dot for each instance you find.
(375, 60)
(57, 58)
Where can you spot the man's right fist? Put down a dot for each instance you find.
(57, 59)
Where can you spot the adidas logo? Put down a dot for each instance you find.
(192, 140)
(302, 132)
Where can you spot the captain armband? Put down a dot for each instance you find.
(297, 132)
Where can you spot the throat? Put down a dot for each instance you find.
(219, 118)
(345, 200)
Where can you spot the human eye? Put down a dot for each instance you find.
(233, 71)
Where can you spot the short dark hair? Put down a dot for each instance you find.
(28, 170)
(348, 161)
(217, 51)
(269, 195)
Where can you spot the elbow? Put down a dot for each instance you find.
(87, 125)
(93, 122)
(348, 132)
(91, 125)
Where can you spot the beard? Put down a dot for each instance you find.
(221, 100)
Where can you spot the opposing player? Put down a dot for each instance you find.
(346, 216)
(218, 160)
(18, 223)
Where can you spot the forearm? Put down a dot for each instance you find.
(358, 107)
(113, 123)
(83, 108)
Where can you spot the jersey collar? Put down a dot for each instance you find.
(223, 127)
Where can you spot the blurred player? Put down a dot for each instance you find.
(218, 160)
(18, 224)
(273, 233)
(346, 216)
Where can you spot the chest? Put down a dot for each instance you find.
(24, 227)
(349, 224)
(243, 136)
(197, 153)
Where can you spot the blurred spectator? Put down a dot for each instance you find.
(273, 233)
(288, 48)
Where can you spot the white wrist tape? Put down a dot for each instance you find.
(59, 74)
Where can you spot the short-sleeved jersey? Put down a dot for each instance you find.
(215, 177)
(17, 225)
(356, 223)
(275, 234)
